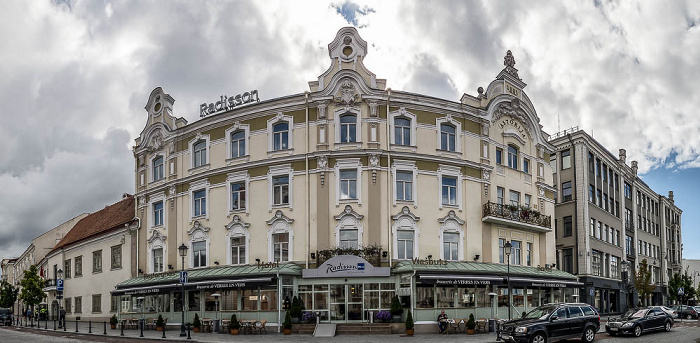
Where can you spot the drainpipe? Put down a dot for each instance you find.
(575, 223)
(308, 195)
(279, 300)
(388, 177)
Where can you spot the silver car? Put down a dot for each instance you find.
(668, 310)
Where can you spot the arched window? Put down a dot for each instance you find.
(200, 153)
(512, 157)
(349, 228)
(348, 128)
(280, 134)
(157, 168)
(406, 234)
(237, 238)
(402, 131)
(237, 144)
(451, 237)
(447, 137)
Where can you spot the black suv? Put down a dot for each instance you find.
(553, 322)
(638, 321)
(6, 316)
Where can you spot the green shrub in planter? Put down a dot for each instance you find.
(196, 323)
(160, 322)
(409, 321)
(396, 307)
(471, 324)
(287, 321)
(113, 320)
(234, 324)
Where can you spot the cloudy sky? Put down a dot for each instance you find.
(75, 77)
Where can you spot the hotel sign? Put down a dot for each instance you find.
(227, 103)
(346, 266)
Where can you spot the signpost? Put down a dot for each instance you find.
(681, 292)
(59, 285)
(183, 277)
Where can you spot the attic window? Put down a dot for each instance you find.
(347, 51)
(156, 107)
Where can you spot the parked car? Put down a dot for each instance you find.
(553, 322)
(638, 321)
(6, 316)
(685, 311)
(670, 311)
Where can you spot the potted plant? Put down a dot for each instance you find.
(383, 316)
(295, 311)
(160, 323)
(409, 324)
(308, 317)
(396, 309)
(113, 322)
(287, 325)
(196, 323)
(471, 324)
(234, 326)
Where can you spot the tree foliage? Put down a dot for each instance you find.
(31, 284)
(681, 280)
(8, 294)
(642, 280)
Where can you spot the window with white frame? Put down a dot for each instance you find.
(280, 247)
(528, 201)
(200, 202)
(406, 233)
(280, 136)
(157, 260)
(349, 229)
(348, 128)
(402, 131)
(348, 184)
(449, 190)
(199, 150)
(512, 157)
(405, 244)
(515, 257)
(450, 243)
(199, 245)
(238, 250)
(501, 245)
(280, 237)
(237, 144)
(515, 198)
(348, 238)
(280, 190)
(499, 156)
(447, 137)
(199, 254)
(404, 185)
(158, 213)
(500, 195)
(158, 168)
(529, 254)
(156, 252)
(238, 195)
(237, 238)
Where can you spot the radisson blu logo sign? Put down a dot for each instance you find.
(345, 266)
(227, 103)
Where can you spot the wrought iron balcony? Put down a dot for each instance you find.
(516, 216)
(49, 285)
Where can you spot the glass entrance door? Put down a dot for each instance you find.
(346, 303)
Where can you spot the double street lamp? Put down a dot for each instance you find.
(507, 250)
(182, 249)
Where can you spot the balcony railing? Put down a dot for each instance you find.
(630, 252)
(50, 283)
(517, 214)
(629, 226)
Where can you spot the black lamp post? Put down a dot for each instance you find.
(507, 250)
(59, 275)
(182, 249)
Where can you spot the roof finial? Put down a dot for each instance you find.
(509, 61)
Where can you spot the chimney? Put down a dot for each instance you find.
(634, 167)
(623, 156)
(670, 196)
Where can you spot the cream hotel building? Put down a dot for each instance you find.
(345, 195)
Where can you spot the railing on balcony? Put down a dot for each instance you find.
(518, 214)
(630, 252)
(49, 283)
(629, 226)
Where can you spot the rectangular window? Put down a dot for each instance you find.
(599, 198)
(590, 162)
(113, 303)
(68, 305)
(447, 137)
(568, 260)
(405, 244)
(591, 193)
(450, 245)
(628, 191)
(96, 261)
(605, 173)
(78, 304)
(512, 157)
(501, 244)
(596, 264)
(501, 193)
(529, 254)
(449, 190)
(599, 231)
(566, 191)
(158, 213)
(565, 159)
(404, 186)
(629, 245)
(116, 262)
(592, 228)
(348, 184)
(96, 303)
(568, 226)
(348, 238)
(199, 254)
(238, 250)
(499, 156)
(597, 167)
(200, 202)
(515, 258)
(158, 260)
(280, 190)
(605, 201)
(280, 247)
(528, 200)
(158, 168)
(526, 166)
(200, 153)
(238, 199)
(79, 266)
(617, 182)
(66, 269)
(514, 198)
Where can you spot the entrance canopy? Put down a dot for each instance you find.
(226, 277)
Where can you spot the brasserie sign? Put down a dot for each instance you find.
(227, 103)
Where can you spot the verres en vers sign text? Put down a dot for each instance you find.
(226, 103)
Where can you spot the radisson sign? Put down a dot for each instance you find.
(226, 103)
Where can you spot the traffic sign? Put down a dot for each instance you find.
(681, 291)
(59, 285)
(183, 277)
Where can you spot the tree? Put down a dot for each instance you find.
(8, 294)
(674, 284)
(31, 284)
(642, 281)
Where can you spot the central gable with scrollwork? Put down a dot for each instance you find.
(513, 121)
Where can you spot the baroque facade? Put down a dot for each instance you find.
(346, 195)
(608, 220)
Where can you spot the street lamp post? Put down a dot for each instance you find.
(182, 249)
(59, 275)
(507, 250)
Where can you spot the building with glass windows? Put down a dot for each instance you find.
(345, 195)
(608, 220)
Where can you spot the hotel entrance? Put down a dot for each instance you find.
(346, 303)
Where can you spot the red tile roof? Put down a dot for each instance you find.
(111, 217)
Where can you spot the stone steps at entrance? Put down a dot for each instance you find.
(306, 329)
(363, 329)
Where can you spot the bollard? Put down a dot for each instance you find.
(89, 326)
(76, 326)
(188, 331)
(163, 331)
(105, 323)
(54, 325)
(141, 327)
(122, 328)
(64, 324)
(46, 322)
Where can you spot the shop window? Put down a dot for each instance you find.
(445, 297)
(193, 300)
(425, 297)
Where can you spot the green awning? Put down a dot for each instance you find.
(478, 268)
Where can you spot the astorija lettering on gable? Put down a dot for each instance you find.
(510, 122)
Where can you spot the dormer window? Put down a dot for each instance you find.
(281, 136)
